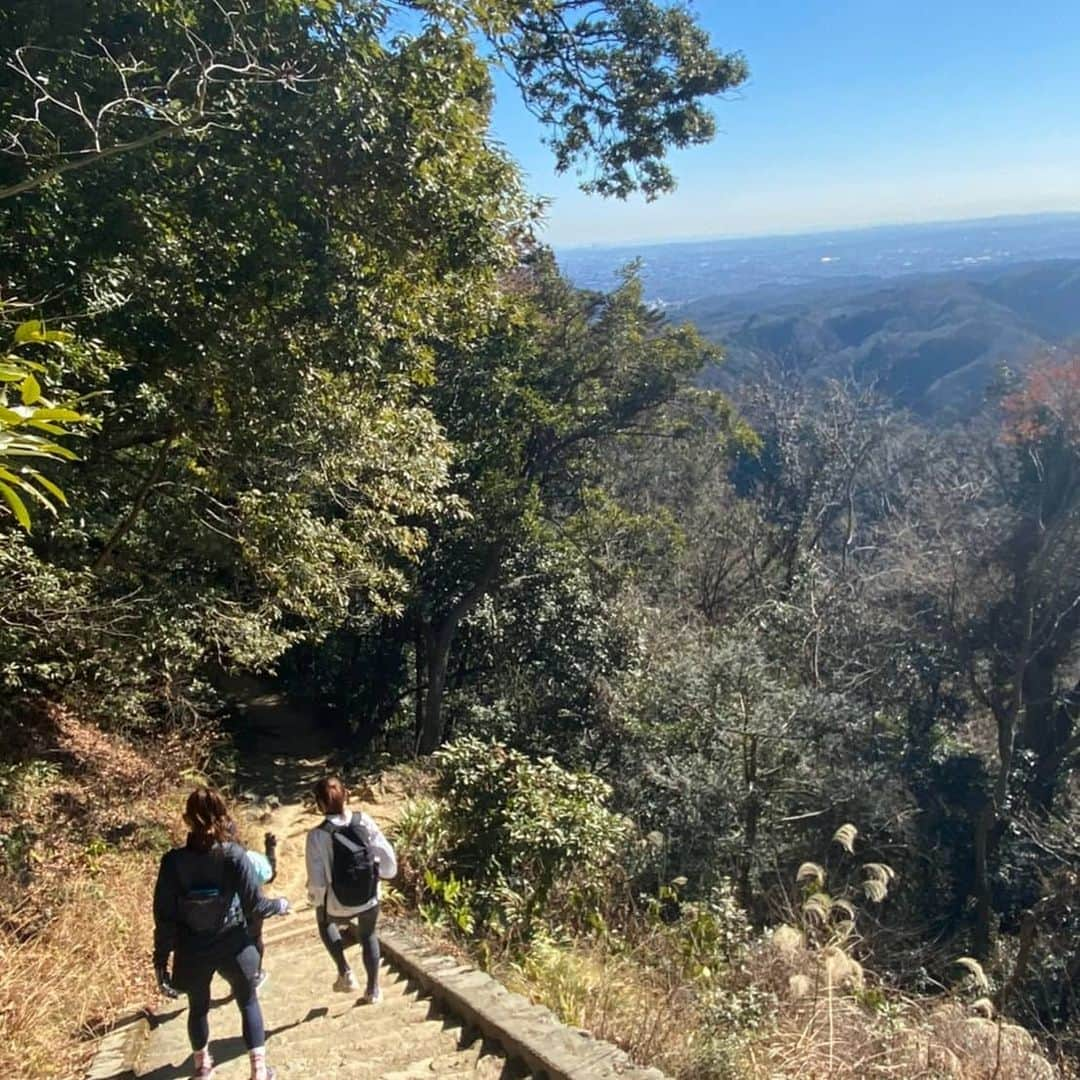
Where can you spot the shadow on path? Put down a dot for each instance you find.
(226, 1050)
(282, 748)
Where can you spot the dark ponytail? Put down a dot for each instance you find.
(207, 816)
(331, 795)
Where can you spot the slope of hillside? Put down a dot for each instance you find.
(932, 343)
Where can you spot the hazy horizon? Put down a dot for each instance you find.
(824, 230)
(680, 270)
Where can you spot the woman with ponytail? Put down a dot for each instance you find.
(346, 856)
(205, 899)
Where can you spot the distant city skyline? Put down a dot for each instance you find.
(858, 113)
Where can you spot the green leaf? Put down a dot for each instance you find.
(31, 330)
(38, 448)
(55, 491)
(22, 364)
(35, 494)
(67, 415)
(18, 507)
(30, 390)
(59, 451)
(10, 417)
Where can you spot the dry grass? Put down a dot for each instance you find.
(824, 1025)
(827, 1025)
(649, 1015)
(837, 1037)
(62, 980)
(84, 819)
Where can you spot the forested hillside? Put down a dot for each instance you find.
(767, 719)
(933, 344)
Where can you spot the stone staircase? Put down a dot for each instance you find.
(315, 1033)
(438, 1017)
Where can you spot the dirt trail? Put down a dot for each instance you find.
(284, 751)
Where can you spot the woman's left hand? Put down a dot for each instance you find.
(165, 984)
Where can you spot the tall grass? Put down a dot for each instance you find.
(84, 818)
(65, 973)
(643, 1009)
(753, 1025)
(689, 987)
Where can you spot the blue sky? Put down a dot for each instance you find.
(857, 112)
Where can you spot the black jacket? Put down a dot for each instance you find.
(225, 867)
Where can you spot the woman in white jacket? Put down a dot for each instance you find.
(341, 925)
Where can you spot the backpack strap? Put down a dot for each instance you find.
(183, 876)
(356, 823)
(357, 827)
(183, 883)
(364, 833)
(361, 832)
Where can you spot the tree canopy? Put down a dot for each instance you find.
(615, 83)
(288, 239)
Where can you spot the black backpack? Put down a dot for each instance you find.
(206, 907)
(354, 870)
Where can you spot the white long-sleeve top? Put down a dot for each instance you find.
(318, 854)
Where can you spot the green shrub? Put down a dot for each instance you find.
(509, 845)
(708, 937)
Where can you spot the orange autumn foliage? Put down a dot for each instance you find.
(1048, 403)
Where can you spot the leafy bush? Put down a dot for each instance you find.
(509, 845)
(525, 859)
(23, 418)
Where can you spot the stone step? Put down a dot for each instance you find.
(334, 1064)
(327, 1047)
(372, 1038)
(319, 984)
(389, 1049)
(488, 1069)
(347, 1022)
(470, 1062)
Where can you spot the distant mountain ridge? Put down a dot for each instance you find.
(678, 273)
(932, 342)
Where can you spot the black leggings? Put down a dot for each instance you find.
(239, 972)
(338, 932)
(255, 929)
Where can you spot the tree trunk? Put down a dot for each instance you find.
(420, 665)
(157, 470)
(1049, 725)
(751, 817)
(984, 910)
(1015, 981)
(438, 639)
